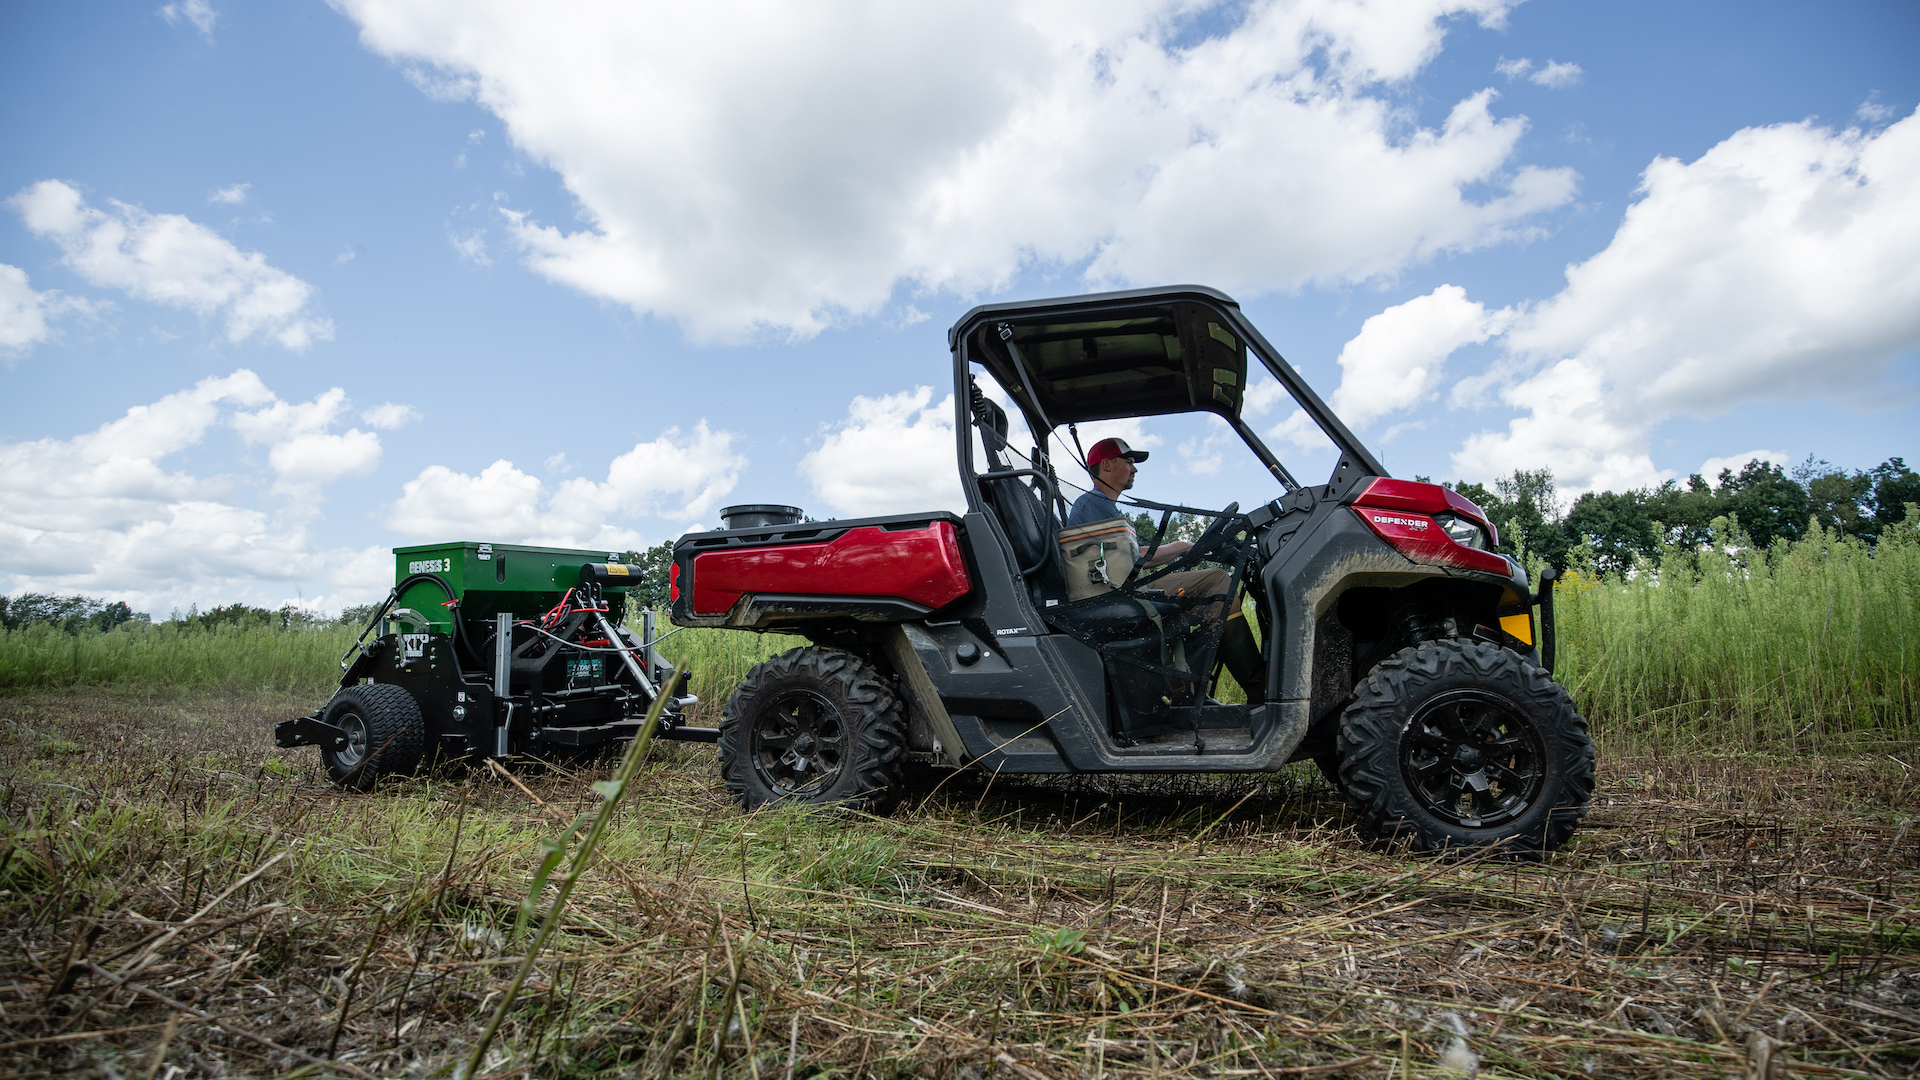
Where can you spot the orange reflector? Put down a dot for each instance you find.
(1520, 626)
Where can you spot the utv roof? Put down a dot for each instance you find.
(1139, 352)
(1022, 308)
(1143, 352)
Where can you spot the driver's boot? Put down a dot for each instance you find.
(1242, 659)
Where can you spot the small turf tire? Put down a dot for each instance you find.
(814, 726)
(1453, 743)
(385, 735)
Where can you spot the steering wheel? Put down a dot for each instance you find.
(1216, 533)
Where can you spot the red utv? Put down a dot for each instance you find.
(1398, 649)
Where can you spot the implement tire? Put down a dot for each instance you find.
(814, 726)
(1455, 743)
(385, 735)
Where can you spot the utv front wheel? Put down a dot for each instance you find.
(814, 726)
(385, 734)
(1461, 744)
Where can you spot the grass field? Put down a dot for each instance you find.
(182, 899)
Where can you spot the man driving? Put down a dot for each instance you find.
(1113, 465)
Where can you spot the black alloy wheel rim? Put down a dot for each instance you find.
(799, 743)
(1472, 758)
(355, 751)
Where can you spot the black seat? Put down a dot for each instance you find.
(1022, 505)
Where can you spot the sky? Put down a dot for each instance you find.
(285, 286)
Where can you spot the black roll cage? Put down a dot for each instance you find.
(961, 335)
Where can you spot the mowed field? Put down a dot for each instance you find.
(183, 899)
(179, 898)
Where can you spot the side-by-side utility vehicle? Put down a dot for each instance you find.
(487, 650)
(1399, 651)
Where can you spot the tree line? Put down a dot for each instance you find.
(72, 614)
(1770, 504)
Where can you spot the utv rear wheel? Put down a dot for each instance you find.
(1461, 744)
(814, 726)
(385, 735)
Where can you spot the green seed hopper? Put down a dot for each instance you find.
(489, 650)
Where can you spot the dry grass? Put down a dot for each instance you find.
(182, 899)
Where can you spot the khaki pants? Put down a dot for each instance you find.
(1200, 583)
(1238, 651)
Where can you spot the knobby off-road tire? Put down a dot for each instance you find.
(1462, 744)
(1329, 766)
(814, 726)
(385, 735)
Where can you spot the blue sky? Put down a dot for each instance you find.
(382, 273)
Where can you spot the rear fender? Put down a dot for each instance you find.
(866, 570)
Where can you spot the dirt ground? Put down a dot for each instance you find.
(179, 898)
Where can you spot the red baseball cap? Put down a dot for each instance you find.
(1112, 448)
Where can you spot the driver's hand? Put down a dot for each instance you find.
(1169, 551)
(1230, 550)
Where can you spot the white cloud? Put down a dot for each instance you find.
(1571, 429)
(1299, 429)
(896, 453)
(1203, 455)
(742, 168)
(23, 321)
(1779, 265)
(356, 577)
(390, 417)
(167, 259)
(501, 503)
(198, 12)
(1263, 392)
(1713, 466)
(1396, 360)
(102, 513)
(681, 477)
(24, 312)
(305, 454)
(472, 247)
(1875, 112)
(892, 454)
(232, 195)
(1555, 75)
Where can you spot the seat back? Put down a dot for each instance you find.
(1021, 504)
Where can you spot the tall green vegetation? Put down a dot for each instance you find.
(1802, 643)
(230, 656)
(254, 654)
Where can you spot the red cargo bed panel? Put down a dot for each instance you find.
(920, 565)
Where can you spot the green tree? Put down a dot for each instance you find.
(656, 564)
(1618, 526)
(1525, 510)
(1894, 486)
(1837, 500)
(69, 613)
(1685, 516)
(1769, 505)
